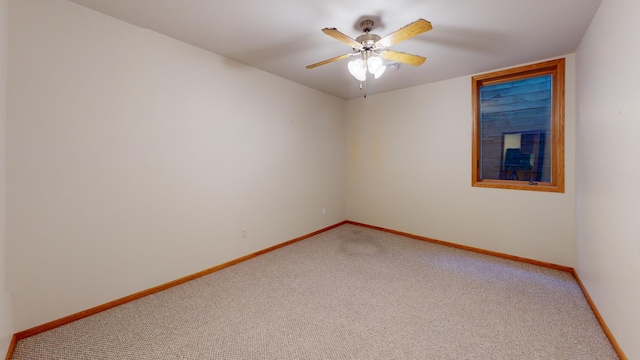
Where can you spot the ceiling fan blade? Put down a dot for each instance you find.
(407, 32)
(330, 60)
(334, 33)
(414, 60)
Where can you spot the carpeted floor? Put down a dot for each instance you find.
(349, 293)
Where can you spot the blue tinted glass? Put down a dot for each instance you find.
(515, 130)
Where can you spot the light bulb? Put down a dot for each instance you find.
(358, 69)
(374, 63)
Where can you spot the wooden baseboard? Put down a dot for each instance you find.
(12, 346)
(468, 248)
(604, 326)
(94, 310)
(571, 270)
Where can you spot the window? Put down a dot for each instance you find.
(518, 128)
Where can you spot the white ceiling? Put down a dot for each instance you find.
(283, 36)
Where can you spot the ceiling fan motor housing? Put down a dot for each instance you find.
(368, 41)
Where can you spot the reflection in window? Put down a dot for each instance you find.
(515, 118)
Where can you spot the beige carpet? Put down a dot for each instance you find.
(349, 293)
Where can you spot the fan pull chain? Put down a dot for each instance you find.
(365, 88)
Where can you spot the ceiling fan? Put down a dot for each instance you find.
(372, 48)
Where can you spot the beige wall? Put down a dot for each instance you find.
(135, 159)
(608, 172)
(409, 169)
(6, 317)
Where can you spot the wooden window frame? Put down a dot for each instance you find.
(555, 68)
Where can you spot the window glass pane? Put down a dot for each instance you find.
(515, 130)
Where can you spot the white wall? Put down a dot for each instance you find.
(607, 168)
(134, 159)
(6, 317)
(409, 169)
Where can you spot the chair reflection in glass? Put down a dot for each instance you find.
(514, 161)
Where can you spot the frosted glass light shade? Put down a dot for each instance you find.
(358, 69)
(374, 63)
(380, 72)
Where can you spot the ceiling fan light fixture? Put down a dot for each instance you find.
(374, 64)
(358, 69)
